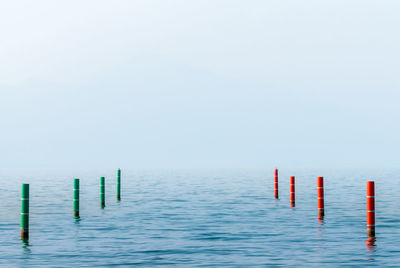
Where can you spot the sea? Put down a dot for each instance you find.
(200, 218)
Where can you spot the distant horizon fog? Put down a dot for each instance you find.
(147, 85)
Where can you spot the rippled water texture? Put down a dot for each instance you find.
(199, 219)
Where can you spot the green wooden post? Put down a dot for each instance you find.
(76, 198)
(25, 212)
(119, 184)
(102, 192)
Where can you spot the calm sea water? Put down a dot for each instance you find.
(199, 219)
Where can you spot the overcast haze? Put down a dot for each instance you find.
(191, 84)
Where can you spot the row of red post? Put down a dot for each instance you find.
(321, 203)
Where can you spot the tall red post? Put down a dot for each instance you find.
(371, 209)
(276, 183)
(320, 189)
(292, 192)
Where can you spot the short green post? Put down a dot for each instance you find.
(102, 192)
(25, 212)
(119, 184)
(76, 198)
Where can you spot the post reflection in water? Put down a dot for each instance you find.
(320, 239)
(320, 231)
(25, 246)
(371, 245)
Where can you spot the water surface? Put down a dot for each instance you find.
(197, 218)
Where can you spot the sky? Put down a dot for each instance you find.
(199, 84)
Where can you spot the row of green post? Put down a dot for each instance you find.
(75, 201)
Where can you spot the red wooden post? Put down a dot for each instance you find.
(276, 183)
(292, 192)
(371, 209)
(320, 189)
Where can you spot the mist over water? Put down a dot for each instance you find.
(178, 87)
(200, 218)
(199, 84)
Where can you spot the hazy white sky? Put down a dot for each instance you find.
(219, 83)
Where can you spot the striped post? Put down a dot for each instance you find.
(119, 184)
(371, 209)
(276, 183)
(320, 189)
(102, 192)
(25, 212)
(292, 192)
(76, 198)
